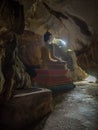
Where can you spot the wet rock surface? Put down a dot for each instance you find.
(78, 109)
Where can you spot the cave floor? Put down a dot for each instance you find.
(75, 110)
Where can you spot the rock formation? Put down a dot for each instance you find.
(74, 21)
(67, 20)
(12, 73)
(88, 58)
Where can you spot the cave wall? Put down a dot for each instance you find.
(74, 21)
(12, 72)
(69, 20)
(88, 58)
(29, 48)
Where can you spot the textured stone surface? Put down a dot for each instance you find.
(32, 52)
(29, 48)
(25, 108)
(77, 109)
(88, 58)
(68, 20)
(74, 21)
(11, 24)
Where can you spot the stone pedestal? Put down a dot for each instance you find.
(25, 108)
(56, 77)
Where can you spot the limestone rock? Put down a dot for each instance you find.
(11, 24)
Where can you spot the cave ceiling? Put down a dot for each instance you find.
(72, 20)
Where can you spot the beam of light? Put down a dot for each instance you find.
(59, 42)
(63, 42)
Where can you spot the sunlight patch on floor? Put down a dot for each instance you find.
(91, 78)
